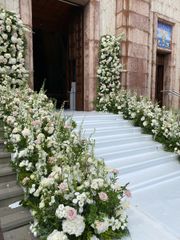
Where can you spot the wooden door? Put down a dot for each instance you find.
(75, 57)
(159, 79)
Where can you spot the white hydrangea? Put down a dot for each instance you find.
(56, 235)
(74, 227)
(94, 238)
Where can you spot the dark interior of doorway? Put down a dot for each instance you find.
(159, 79)
(54, 69)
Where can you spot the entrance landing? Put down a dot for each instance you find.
(153, 174)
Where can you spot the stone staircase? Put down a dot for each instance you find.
(153, 174)
(14, 222)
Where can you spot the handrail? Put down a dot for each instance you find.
(172, 92)
(175, 93)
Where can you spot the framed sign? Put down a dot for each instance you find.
(164, 35)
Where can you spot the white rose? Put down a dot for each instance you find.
(14, 39)
(7, 55)
(12, 61)
(26, 132)
(1, 59)
(101, 227)
(8, 28)
(4, 36)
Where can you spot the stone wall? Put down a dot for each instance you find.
(11, 5)
(138, 20)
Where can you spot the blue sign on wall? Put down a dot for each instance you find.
(164, 35)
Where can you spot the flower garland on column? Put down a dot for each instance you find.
(108, 73)
(12, 49)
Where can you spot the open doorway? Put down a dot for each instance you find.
(159, 79)
(58, 51)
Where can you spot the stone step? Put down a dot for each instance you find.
(130, 151)
(92, 115)
(125, 146)
(121, 140)
(20, 233)
(117, 137)
(111, 131)
(1, 143)
(6, 173)
(14, 218)
(103, 123)
(1, 134)
(10, 192)
(150, 176)
(139, 161)
(5, 157)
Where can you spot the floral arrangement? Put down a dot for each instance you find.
(108, 72)
(70, 193)
(162, 123)
(12, 49)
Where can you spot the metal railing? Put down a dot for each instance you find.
(177, 94)
(172, 92)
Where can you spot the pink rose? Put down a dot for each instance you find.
(63, 186)
(71, 213)
(67, 126)
(103, 196)
(115, 171)
(51, 160)
(128, 193)
(36, 123)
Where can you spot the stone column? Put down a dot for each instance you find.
(91, 44)
(133, 18)
(25, 7)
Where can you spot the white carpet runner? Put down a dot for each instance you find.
(153, 174)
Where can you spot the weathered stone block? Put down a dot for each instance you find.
(137, 82)
(119, 6)
(137, 65)
(140, 7)
(122, 30)
(138, 21)
(137, 51)
(137, 36)
(119, 20)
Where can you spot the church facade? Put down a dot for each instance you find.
(63, 41)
